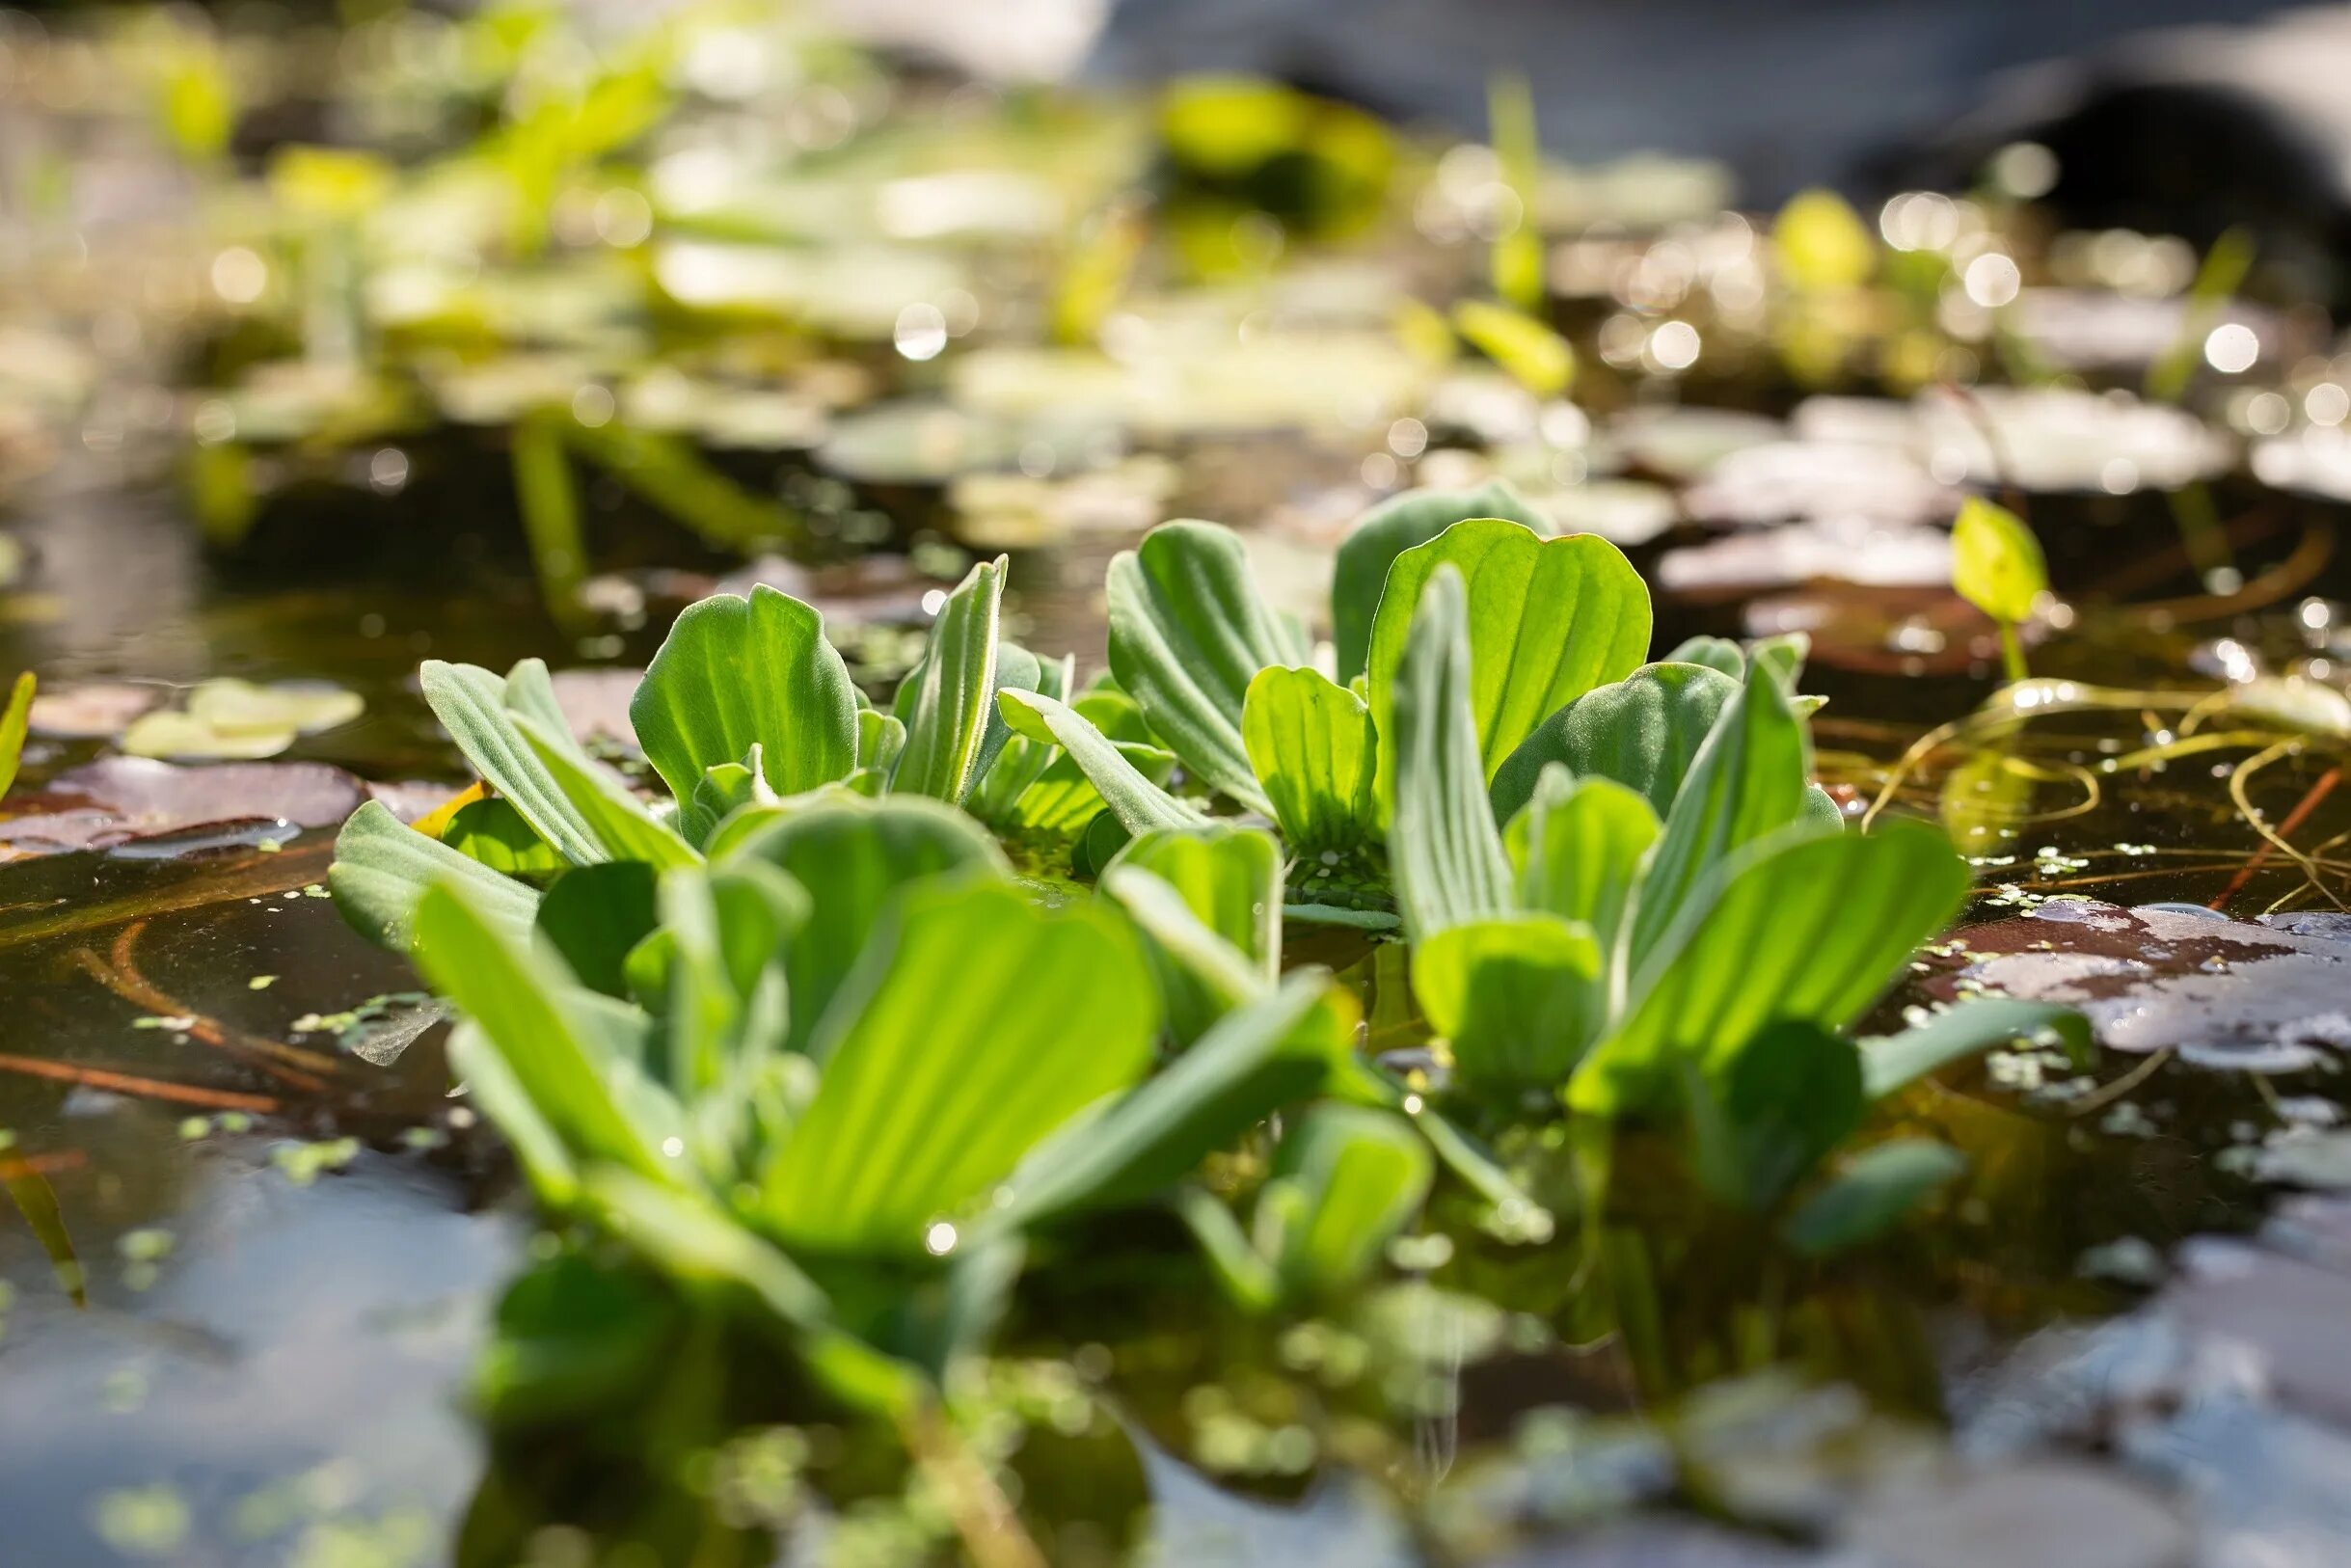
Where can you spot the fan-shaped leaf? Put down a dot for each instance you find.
(470, 704)
(1518, 997)
(1643, 731)
(735, 673)
(1388, 531)
(1315, 752)
(1549, 619)
(934, 1091)
(853, 859)
(1188, 632)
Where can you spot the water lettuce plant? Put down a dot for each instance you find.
(843, 1066)
(1653, 908)
(1228, 683)
(746, 711)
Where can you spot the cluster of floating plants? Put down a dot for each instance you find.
(802, 1028)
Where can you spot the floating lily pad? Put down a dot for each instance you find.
(1820, 480)
(1829, 549)
(232, 719)
(91, 710)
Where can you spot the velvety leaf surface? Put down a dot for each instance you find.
(382, 869)
(1139, 803)
(470, 704)
(1188, 633)
(1643, 731)
(623, 827)
(1446, 855)
(948, 704)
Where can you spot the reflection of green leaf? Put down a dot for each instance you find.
(1643, 731)
(1315, 753)
(1359, 575)
(30, 1191)
(1447, 859)
(1188, 633)
(932, 1095)
(948, 711)
(1982, 799)
(1774, 1110)
(1346, 1179)
(14, 720)
(1872, 1194)
(383, 867)
(1547, 620)
(735, 673)
(1518, 997)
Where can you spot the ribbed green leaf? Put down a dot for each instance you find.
(1519, 997)
(530, 1012)
(1188, 632)
(1643, 731)
(1549, 620)
(1315, 752)
(470, 704)
(1747, 781)
(1230, 876)
(1446, 857)
(1126, 790)
(492, 831)
(530, 694)
(948, 708)
(1799, 927)
(382, 867)
(1274, 1050)
(735, 673)
(726, 788)
(1577, 850)
(1202, 975)
(1390, 528)
(853, 859)
(624, 828)
(967, 1035)
(1016, 670)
